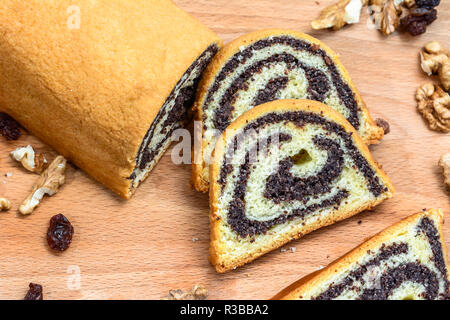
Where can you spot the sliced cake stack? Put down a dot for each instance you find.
(270, 65)
(282, 146)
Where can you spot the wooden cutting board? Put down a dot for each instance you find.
(142, 248)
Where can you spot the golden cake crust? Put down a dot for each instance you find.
(198, 167)
(92, 93)
(223, 265)
(297, 289)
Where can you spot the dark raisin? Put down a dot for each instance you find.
(427, 3)
(9, 128)
(383, 124)
(424, 14)
(60, 232)
(416, 27)
(35, 292)
(418, 19)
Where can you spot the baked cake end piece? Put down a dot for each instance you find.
(407, 261)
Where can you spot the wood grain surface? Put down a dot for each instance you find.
(142, 248)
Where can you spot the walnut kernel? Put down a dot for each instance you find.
(444, 162)
(434, 105)
(386, 14)
(48, 183)
(434, 59)
(338, 15)
(409, 3)
(30, 160)
(198, 292)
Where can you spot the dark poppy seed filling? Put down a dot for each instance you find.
(236, 212)
(317, 88)
(300, 118)
(270, 91)
(282, 186)
(173, 115)
(429, 229)
(393, 277)
(318, 82)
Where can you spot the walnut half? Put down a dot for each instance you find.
(30, 160)
(435, 59)
(198, 292)
(444, 162)
(48, 183)
(338, 15)
(386, 14)
(434, 105)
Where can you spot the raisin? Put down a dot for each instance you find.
(427, 3)
(35, 292)
(418, 19)
(9, 128)
(383, 124)
(60, 232)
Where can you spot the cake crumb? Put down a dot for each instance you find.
(195, 239)
(5, 204)
(293, 249)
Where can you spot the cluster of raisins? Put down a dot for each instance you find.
(9, 128)
(420, 17)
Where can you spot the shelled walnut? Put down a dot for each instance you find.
(48, 183)
(30, 160)
(435, 59)
(386, 14)
(444, 162)
(198, 292)
(434, 105)
(338, 15)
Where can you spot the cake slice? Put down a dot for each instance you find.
(407, 261)
(282, 170)
(268, 65)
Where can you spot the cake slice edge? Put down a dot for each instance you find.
(303, 285)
